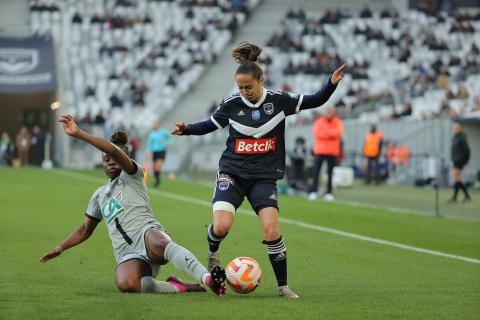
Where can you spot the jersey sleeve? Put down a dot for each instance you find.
(137, 175)
(93, 209)
(220, 116)
(291, 102)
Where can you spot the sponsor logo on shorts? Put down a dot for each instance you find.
(223, 185)
(273, 196)
(225, 177)
(255, 146)
(224, 181)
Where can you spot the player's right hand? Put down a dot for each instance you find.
(180, 128)
(55, 252)
(69, 125)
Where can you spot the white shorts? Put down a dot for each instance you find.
(138, 249)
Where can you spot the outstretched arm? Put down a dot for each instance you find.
(78, 236)
(196, 129)
(123, 160)
(322, 96)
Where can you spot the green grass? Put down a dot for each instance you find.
(336, 277)
(417, 199)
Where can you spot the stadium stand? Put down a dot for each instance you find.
(130, 60)
(400, 65)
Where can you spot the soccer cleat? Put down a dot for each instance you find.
(452, 200)
(216, 281)
(286, 292)
(328, 197)
(312, 196)
(184, 286)
(213, 260)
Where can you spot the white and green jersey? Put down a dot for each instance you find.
(125, 206)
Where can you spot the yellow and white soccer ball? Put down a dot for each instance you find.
(243, 274)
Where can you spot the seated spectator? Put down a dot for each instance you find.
(407, 110)
(366, 12)
(77, 18)
(115, 101)
(445, 110)
(476, 104)
(99, 118)
(89, 91)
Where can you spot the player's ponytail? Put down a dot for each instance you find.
(246, 54)
(120, 139)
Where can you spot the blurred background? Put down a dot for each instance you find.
(413, 71)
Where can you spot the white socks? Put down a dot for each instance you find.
(150, 285)
(184, 260)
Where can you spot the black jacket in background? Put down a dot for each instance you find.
(460, 149)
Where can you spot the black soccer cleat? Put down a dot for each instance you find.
(217, 283)
(185, 286)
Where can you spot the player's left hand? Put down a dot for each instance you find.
(55, 252)
(338, 75)
(180, 128)
(69, 125)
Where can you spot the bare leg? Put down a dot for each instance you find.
(129, 274)
(157, 171)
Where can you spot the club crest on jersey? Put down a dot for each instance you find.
(256, 115)
(268, 108)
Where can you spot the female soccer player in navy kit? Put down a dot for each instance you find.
(140, 243)
(254, 158)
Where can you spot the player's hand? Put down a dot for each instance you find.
(338, 75)
(180, 128)
(69, 125)
(55, 252)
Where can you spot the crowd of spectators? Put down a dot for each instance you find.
(121, 55)
(408, 64)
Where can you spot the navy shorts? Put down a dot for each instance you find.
(233, 189)
(159, 155)
(458, 165)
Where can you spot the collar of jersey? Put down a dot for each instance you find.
(259, 102)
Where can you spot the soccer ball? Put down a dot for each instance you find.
(243, 274)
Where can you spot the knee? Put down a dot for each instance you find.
(161, 243)
(220, 228)
(271, 231)
(159, 249)
(128, 285)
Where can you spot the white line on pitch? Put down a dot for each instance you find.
(285, 220)
(359, 204)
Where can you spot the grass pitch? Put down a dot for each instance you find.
(337, 277)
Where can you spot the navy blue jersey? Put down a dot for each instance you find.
(256, 142)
